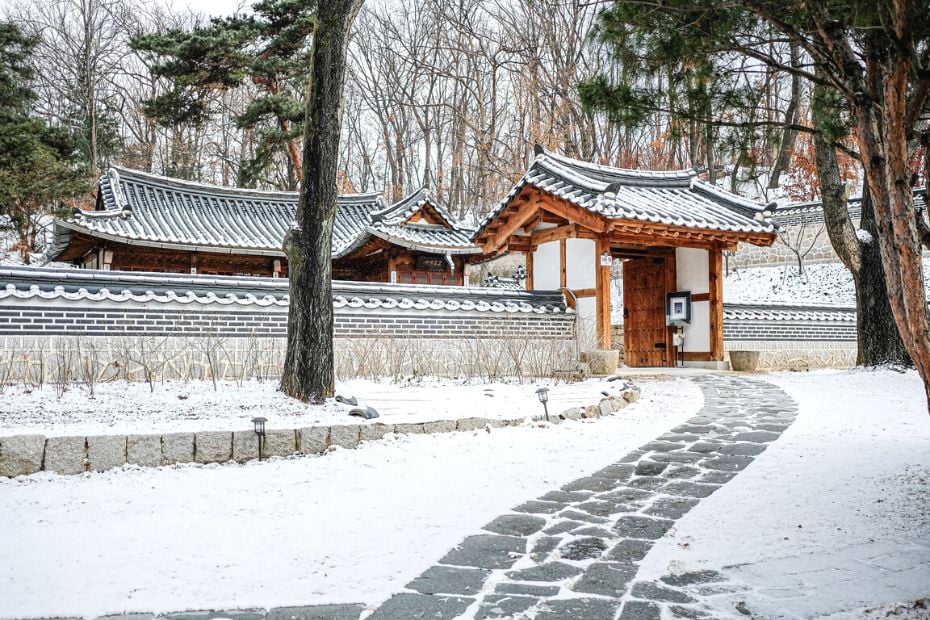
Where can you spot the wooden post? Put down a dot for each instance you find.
(529, 269)
(715, 280)
(671, 285)
(602, 299)
(563, 277)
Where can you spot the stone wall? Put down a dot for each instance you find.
(28, 454)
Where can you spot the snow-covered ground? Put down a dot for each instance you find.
(826, 284)
(177, 406)
(822, 520)
(348, 526)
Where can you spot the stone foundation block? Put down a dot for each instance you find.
(408, 429)
(21, 455)
(177, 448)
(65, 455)
(213, 447)
(471, 424)
(617, 403)
(313, 439)
(575, 413)
(439, 426)
(344, 436)
(245, 446)
(591, 411)
(280, 442)
(605, 407)
(632, 396)
(375, 431)
(144, 450)
(106, 452)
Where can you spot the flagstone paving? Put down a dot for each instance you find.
(574, 553)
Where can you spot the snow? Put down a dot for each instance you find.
(825, 284)
(831, 510)
(348, 526)
(120, 407)
(864, 236)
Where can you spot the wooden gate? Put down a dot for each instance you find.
(645, 336)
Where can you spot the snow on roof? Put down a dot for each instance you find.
(674, 198)
(177, 214)
(116, 286)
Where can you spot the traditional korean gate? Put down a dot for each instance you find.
(645, 336)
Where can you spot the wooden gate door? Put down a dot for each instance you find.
(645, 336)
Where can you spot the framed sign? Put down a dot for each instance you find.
(431, 263)
(678, 308)
(606, 259)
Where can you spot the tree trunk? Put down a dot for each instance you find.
(883, 145)
(309, 369)
(789, 136)
(877, 334)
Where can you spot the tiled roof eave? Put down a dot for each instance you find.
(167, 245)
(422, 247)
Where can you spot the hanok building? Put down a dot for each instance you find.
(146, 222)
(572, 219)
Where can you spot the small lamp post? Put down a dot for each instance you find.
(543, 394)
(259, 424)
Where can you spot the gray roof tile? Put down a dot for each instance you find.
(675, 198)
(178, 214)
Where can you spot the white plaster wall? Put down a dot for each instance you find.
(697, 334)
(693, 268)
(580, 271)
(587, 323)
(693, 274)
(546, 269)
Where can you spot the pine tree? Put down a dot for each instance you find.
(268, 49)
(756, 35)
(40, 166)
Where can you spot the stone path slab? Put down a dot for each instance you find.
(574, 553)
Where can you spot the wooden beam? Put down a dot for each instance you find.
(698, 356)
(553, 234)
(671, 285)
(575, 214)
(529, 270)
(563, 260)
(716, 304)
(700, 297)
(514, 223)
(602, 297)
(581, 293)
(533, 222)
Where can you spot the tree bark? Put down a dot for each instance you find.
(883, 145)
(877, 336)
(309, 368)
(789, 135)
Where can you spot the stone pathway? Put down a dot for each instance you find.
(574, 553)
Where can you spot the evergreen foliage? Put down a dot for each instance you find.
(40, 166)
(268, 49)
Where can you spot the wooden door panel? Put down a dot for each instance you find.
(644, 330)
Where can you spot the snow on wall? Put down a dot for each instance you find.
(580, 268)
(692, 266)
(546, 268)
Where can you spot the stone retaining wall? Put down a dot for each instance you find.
(29, 454)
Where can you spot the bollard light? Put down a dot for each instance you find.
(543, 394)
(259, 424)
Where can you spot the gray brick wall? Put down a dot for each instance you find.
(88, 320)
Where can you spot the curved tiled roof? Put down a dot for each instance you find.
(763, 312)
(675, 198)
(114, 286)
(176, 214)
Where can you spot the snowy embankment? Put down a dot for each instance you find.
(826, 284)
(832, 518)
(122, 408)
(349, 526)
